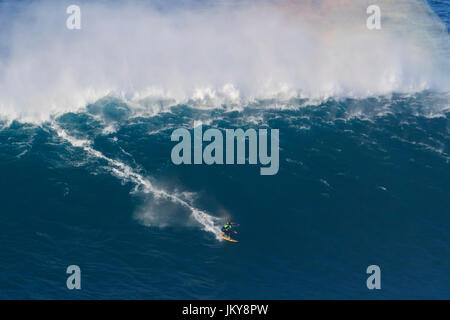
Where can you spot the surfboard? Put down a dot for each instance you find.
(229, 239)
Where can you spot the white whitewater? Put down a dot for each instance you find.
(229, 52)
(126, 173)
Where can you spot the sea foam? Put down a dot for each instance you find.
(222, 53)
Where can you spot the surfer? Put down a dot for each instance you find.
(228, 229)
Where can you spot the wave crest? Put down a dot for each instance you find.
(230, 54)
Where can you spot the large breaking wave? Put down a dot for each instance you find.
(364, 148)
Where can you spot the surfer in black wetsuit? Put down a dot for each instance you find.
(228, 229)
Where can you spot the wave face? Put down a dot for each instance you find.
(223, 53)
(360, 182)
(87, 177)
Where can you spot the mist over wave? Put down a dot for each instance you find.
(214, 54)
(363, 119)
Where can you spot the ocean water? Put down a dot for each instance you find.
(87, 178)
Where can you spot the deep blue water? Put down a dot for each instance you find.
(350, 192)
(361, 182)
